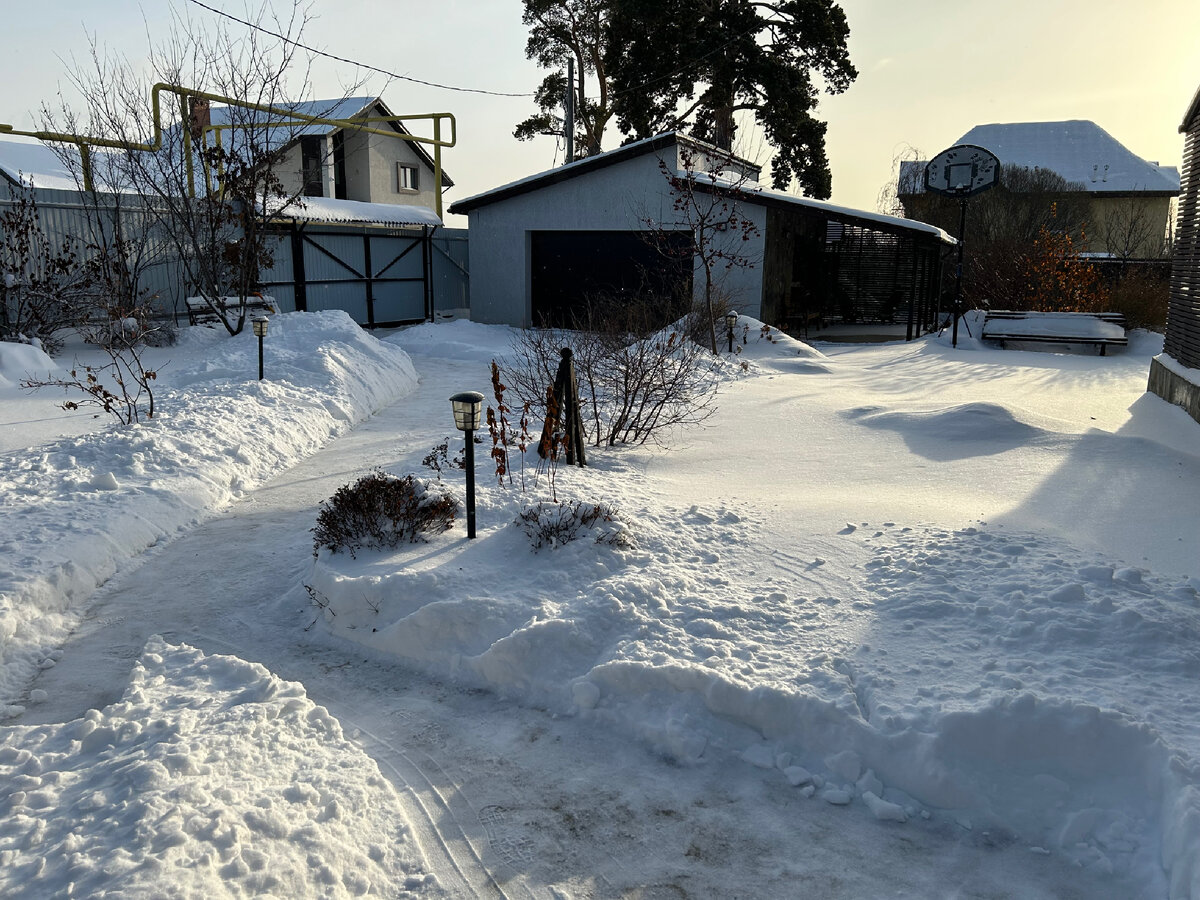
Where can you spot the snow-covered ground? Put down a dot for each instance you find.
(901, 620)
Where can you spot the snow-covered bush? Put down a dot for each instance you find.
(554, 524)
(380, 511)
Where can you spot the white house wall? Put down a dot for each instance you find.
(632, 195)
(386, 152)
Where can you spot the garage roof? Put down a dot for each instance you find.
(752, 194)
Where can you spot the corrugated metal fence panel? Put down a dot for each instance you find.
(378, 276)
(398, 257)
(451, 272)
(1183, 312)
(279, 247)
(64, 213)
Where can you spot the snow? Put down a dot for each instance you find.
(1066, 325)
(325, 209)
(1078, 150)
(37, 165)
(903, 620)
(210, 776)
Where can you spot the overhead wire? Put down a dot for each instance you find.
(353, 62)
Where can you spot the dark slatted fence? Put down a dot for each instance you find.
(1183, 314)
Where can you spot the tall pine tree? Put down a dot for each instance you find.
(699, 62)
(661, 65)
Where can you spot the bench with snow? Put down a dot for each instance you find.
(1104, 330)
(200, 310)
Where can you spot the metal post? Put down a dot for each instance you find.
(260, 357)
(962, 228)
(730, 338)
(470, 461)
(569, 110)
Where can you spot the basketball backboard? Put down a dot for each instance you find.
(962, 170)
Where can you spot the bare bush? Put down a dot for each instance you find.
(637, 381)
(380, 511)
(121, 387)
(1142, 295)
(45, 287)
(555, 524)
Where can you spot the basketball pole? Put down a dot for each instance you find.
(958, 269)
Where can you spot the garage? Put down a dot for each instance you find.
(574, 273)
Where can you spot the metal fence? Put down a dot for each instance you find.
(68, 221)
(379, 275)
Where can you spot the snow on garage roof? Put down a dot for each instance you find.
(1078, 150)
(751, 192)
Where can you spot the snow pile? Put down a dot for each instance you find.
(1001, 681)
(76, 508)
(21, 361)
(211, 777)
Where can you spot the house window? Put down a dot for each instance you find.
(312, 160)
(406, 177)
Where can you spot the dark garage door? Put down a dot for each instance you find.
(572, 269)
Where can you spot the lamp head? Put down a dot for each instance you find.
(468, 410)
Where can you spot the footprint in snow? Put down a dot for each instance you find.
(849, 529)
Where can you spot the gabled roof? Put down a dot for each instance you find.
(340, 108)
(1079, 151)
(750, 193)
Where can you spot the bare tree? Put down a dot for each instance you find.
(710, 228)
(211, 189)
(1131, 229)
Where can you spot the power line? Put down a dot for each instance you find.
(361, 65)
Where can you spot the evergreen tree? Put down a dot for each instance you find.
(674, 62)
(559, 29)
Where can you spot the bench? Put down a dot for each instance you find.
(200, 310)
(1104, 329)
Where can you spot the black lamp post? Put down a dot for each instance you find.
(259, 323)
(468, 413)
(731, 318)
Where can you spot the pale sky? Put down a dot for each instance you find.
(929, 71)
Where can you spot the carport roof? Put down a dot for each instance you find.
(751, 194)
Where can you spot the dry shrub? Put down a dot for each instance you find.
(554, 524)
(1142, 296)
(380, 511)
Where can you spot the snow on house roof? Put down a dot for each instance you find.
(857, 215)
(37, 165)
(1079, 151)
(324, 109)
(342, 108)
(325, 209)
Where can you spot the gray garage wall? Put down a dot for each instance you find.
(622, 196)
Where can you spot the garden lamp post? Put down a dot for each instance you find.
(468, 411)
(259, 323)
(731, 318)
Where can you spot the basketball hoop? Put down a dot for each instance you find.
(962, 171)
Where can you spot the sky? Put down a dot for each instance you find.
(928, 72)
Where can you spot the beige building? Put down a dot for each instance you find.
(1129, 199)
(345, 164)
